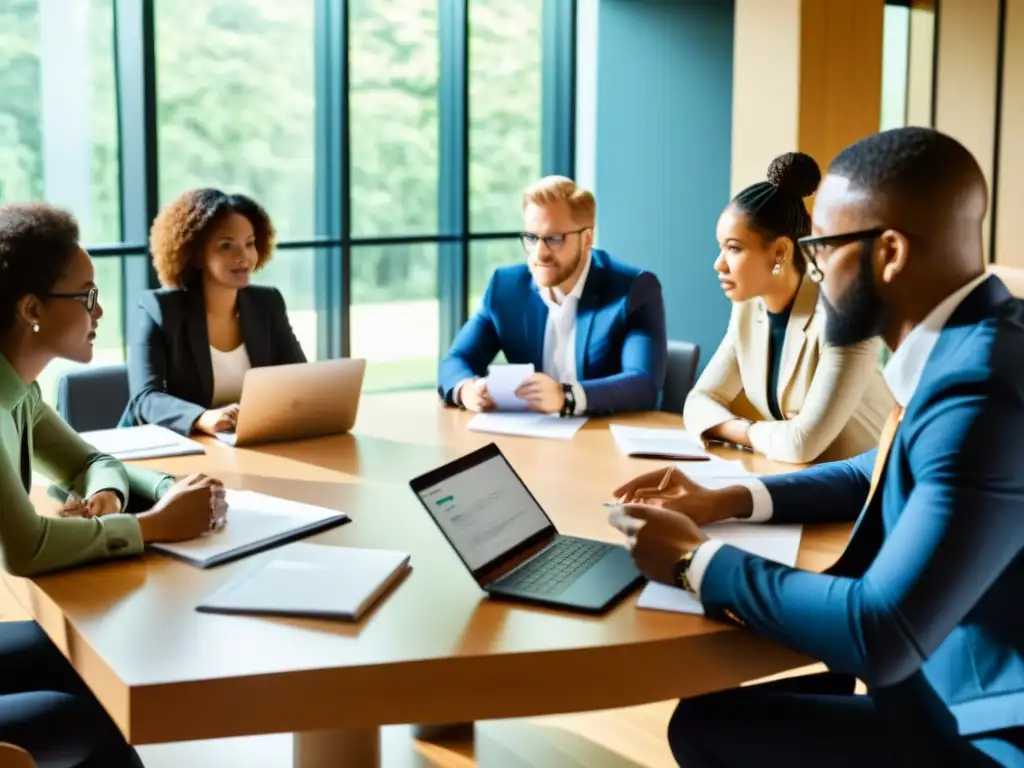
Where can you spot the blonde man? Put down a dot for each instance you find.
(593, 327)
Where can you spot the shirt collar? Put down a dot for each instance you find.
(554, 297)
(12, 388)
(905, 367)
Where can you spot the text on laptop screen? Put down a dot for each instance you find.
(485, 511)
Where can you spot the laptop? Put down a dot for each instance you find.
(297, 401)
(509, 544)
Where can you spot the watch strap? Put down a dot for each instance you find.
(569, 401)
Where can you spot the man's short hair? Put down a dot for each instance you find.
(560, 189)
(911, 164)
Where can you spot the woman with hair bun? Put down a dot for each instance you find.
(773, 385)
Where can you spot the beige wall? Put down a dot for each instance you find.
(807, 76)
(969, 102)
(965, 77)
(1009, 242)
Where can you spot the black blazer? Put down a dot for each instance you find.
(170, 376)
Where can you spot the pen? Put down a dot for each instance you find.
(665, 480)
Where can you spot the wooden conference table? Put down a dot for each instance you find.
(434, 651)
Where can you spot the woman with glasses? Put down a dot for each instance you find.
(208, 326)
(49, 309)
(774, 385)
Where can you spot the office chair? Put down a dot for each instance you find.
(680, 373)
(93, 397)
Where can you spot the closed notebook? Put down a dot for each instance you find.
(649, 443)
(312, 580)
(256, 522)
(149, 441)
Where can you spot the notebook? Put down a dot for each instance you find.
(312, 580)
(648, 443)
(255, 522)
(146, 442)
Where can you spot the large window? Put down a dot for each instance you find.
(58, 131)
(389, 140)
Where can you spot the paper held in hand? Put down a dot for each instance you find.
(502, 383)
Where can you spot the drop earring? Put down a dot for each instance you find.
(35, 328)
(777, 269)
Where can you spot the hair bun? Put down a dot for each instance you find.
(796, 173)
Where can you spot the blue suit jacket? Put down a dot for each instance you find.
(926, 605)
(620, 334)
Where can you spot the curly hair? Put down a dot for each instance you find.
(37, 243)
(179, 233)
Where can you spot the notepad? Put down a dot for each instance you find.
(148, 441)
(530, 424)
(648, 443)
(312, 580)
(255, 522)
(502, 383)
(780, 543)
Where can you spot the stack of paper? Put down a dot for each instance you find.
(146, 442)
(502, 383)
(780, 543)
(255, 522)
(647, 443)
(528, 425)
(312, 580)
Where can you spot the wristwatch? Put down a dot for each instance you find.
(681, 573)
(569, 402)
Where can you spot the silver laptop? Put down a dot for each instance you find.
(297, 401)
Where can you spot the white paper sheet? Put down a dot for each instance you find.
(255, 522)
(716, 472)
(502, 383)
(146, 442)
(528, 425)
(780, 543)
(645, 442)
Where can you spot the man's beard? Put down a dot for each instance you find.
(859, 314)
(570, 269)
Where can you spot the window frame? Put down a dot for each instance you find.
(136, 82)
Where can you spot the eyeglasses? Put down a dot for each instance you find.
(87, 298)
(530, 241)
(814, 247)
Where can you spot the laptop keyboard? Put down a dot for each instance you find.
(555, 568)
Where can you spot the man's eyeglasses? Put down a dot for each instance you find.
(530, 241)
(87, 298)
(814, 247)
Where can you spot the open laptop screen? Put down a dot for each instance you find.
(482, 507)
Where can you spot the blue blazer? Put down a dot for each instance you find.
(170, 373)
(926, 605)
(620, 334)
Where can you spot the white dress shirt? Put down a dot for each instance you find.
(902, 375)
(560, 336)
(228, 374)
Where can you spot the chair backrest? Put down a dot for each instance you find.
(680, 372)
(93, 398)
(1012, 276)
(15, 757)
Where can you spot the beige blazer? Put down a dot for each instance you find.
(834, 399)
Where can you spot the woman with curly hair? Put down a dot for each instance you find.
(49, 309)
(207, 326)
(774, 384)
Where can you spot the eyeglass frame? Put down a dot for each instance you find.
(524, 235)
(89, 299)
(810, 246)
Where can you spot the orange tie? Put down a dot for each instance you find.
(885, 441)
